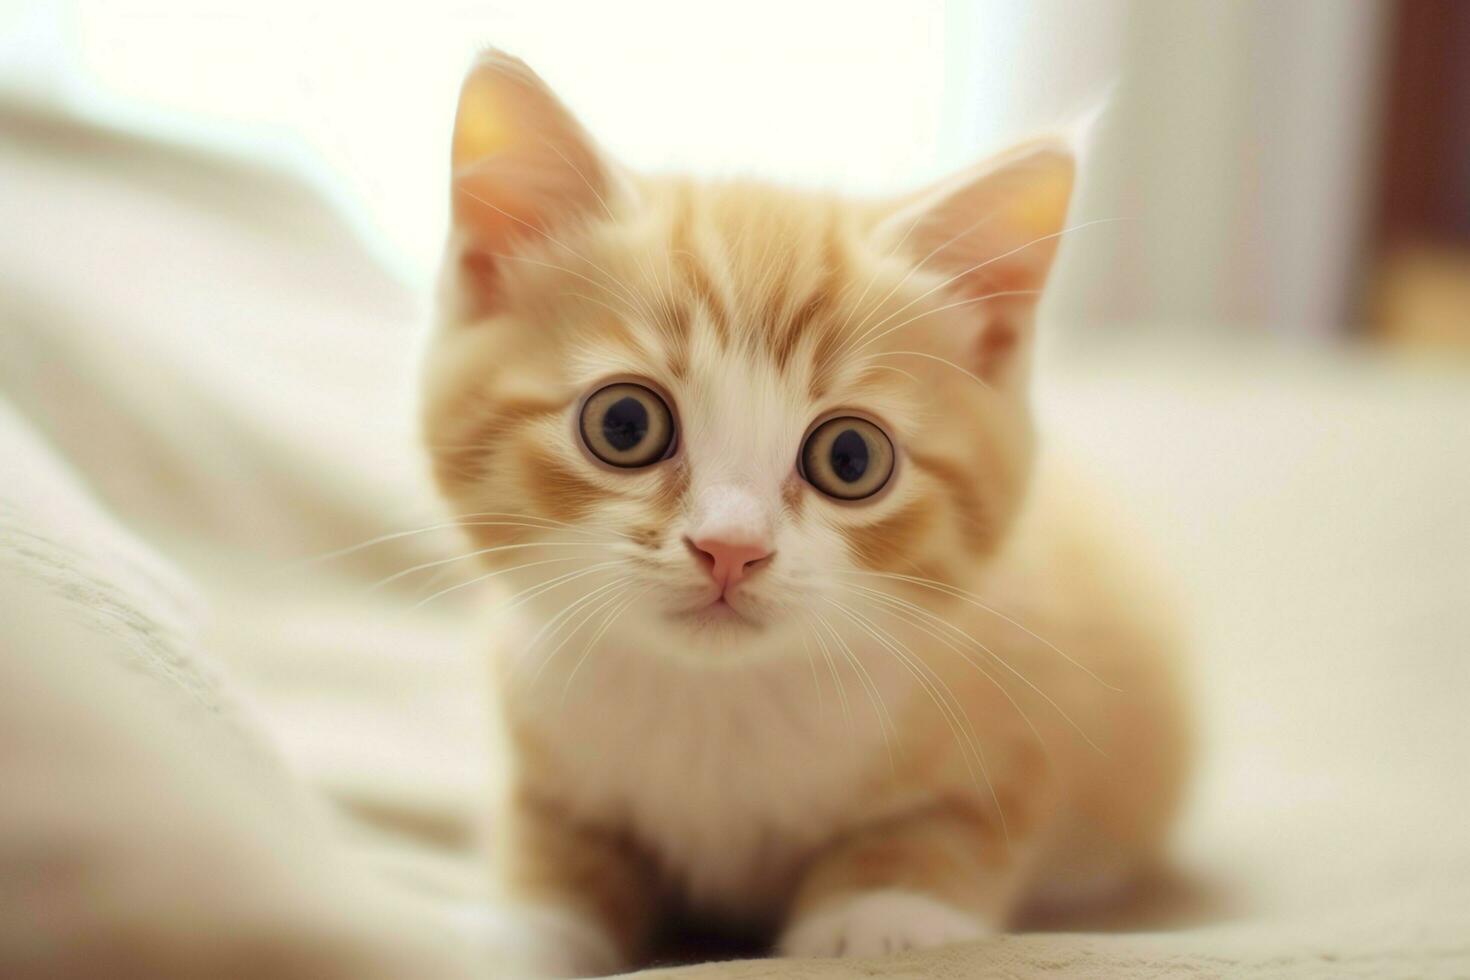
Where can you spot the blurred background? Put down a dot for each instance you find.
(1299, 169)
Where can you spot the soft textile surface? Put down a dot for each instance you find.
(209, 743)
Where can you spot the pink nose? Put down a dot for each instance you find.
(728, 561)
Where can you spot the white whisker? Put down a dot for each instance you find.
(811, 661)
(981, 265)
(913, 268)
(975, 601)
(611, 280)
(458, 521)
(509, 604)
(857, 304)
(837, 684)
(646, 306)
(597, 638)
(865, 680)
(944, 699)
(554, 624)
(930, 357)
(592, 604)
(908, 612)
(630, 311)
(483, 551)
(1000, 294)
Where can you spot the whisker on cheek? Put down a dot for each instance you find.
(914, 615)
(950, 707)
(611, 618)
(479, 552)
(553, 627)
(974, 600)
(811, 660)
(832, 667)
(875, 697)
(524, 594)
(453, 522)
(1007, 665)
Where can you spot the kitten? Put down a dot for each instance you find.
(800, 642)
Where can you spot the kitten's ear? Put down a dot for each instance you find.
(522, 167)
(992, 231)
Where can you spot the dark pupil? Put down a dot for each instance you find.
(849, 456)
(625, 424)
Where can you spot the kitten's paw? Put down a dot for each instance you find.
(525, 942)
(875, 923)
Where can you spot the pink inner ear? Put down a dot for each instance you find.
(491, 225)
(523, 166)
(520, 197)
(995, 347)
(480, 283)
(992, 234)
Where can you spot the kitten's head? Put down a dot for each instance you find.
(721, 411)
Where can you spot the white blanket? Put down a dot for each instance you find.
(217, 757)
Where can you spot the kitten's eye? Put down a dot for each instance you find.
(627, 425)
(848, 458)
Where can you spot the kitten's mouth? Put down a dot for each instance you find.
(715, 613)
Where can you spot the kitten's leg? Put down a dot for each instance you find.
(942, 876)
(579, 901)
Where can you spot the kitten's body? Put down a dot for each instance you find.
(732, 778)
(918, 709)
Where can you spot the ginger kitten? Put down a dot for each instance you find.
(799, 642)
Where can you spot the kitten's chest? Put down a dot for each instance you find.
(728, 779)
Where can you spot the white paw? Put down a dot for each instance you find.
(532, 942)
(881, 922)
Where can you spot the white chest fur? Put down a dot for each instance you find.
(728, 777)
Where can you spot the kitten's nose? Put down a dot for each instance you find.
(728, 559)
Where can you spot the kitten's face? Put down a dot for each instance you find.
(710, 417)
